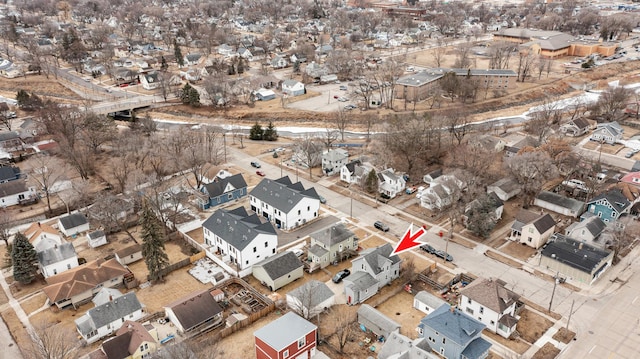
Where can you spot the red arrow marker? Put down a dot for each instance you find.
(409, 239)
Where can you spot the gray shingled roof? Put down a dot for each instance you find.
(429, 299)
(351, 166)
(490, 293)
(73, 220)
(12, 187)
(544, 223)
(573, 253)
(217, 188)
(397, 344)
(506, 184)
(453, 324)
(594, 224)
(96, 234)
(615, 198)
(523, 217)
(56, 254)
(281, 193)
(284, 331)
(8, 173)
(333, 234)
(280, 264)
(319, 293)
(561, 201)
(360, 281)
(108, 312)
(317, 251)
(378, 319)
(376, 257)
(237, 227)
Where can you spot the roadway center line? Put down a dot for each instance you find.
(634, 300)
(593, 347)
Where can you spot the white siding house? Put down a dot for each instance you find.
(390, 183)
(73, 224)
(107, 318)
(57, 259)
(237, 240)
(492, 304)
(288, 205)
(333, 161)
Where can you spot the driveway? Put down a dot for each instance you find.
(338, 290)
(285, 238)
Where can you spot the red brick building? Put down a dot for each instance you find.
(289, 336)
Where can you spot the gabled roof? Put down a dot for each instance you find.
(332, 235)
(284, 331)
(429, 299)
(335, 154)
(523, 217)
(237, 227)
(631, 178)
(507, 185)
(359, 280)
(561, 201)
(106, 295)
(573, 253)
(36, 229)
(317, 250)
(127, 251)
(282, 194)
(351, 166)
(107, 313)
(615, 198)
(96, 234)
(380, 320)
(453, 324)
(82, 278)
(280, 264)
(544, 223)
(319, 290)
(594, 225)
(12, 188)
(9, 172)
(218, 187)
(397, 346)
(56, 254)
(127, 340)
(580, 122)
(378, 256)
(73, 221)
(491, 294)
(195, 308)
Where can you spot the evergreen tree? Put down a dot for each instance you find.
(270, 133)
(24, 259)
(22, 97)
(256, 132)
(371, 182)
(296, 67)
(152, 244)
(163, 64)
(177, 52)
(190, 96)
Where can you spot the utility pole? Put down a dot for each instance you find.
(553, 292)
(570, 312)
(224, 141)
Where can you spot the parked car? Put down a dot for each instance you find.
(629, 154)
(341, 275)
(445, 255)
(427, 248)
(336, 97)
(411, 190)
(322, 199)
(350, 107)
(381, 226)
(297, 251)
(343, 99)
(255, 164)
(260, 173)
(343, 88)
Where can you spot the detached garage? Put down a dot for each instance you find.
(278, 270)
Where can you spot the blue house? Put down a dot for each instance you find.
(609, 205)
(223, 190)
(9, 173)
(454, 334)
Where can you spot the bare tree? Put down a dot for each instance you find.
(463, 55)
(6, 223)
(330, 137)
(52, 341)
(542, 118)
(305, 302)
(46, 173)
(341, 121)
(439, 51)
(308, 152)
(458, 123)
(114, 213)
(531, 170)
(345, 319)
(526, 62)
(5, 116)
(612, 102)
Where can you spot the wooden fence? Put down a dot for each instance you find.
(171, 267)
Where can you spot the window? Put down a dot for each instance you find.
(469, 300)
(298, 212)
(481, 310)
(441, 350)
(254, 249)
(266, 244)
(301, 342)
(444, 340)
(308, 208)
(68, 266)
(230, 196)
(55, 271)
(420, 331)
(285, 354)
(273, 251)
(493, 323)
(469, 310)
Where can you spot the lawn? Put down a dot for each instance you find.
(532, 326)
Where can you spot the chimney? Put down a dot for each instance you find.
(110, 297)
(580, 246)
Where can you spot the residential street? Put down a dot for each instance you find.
(606, 316)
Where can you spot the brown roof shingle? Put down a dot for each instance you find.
(82, 278)
(490, 293)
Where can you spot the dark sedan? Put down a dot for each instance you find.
(341, 275)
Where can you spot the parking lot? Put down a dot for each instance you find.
(329, 98)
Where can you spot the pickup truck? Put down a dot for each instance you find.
(410, 190)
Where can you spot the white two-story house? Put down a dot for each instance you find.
(333, 160)
(374, 268)
(107, 318)
(488, 301)
(354, 172)
(237, 240)
(288, 205)
(390, 183)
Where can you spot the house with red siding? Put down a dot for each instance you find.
(289, 336)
